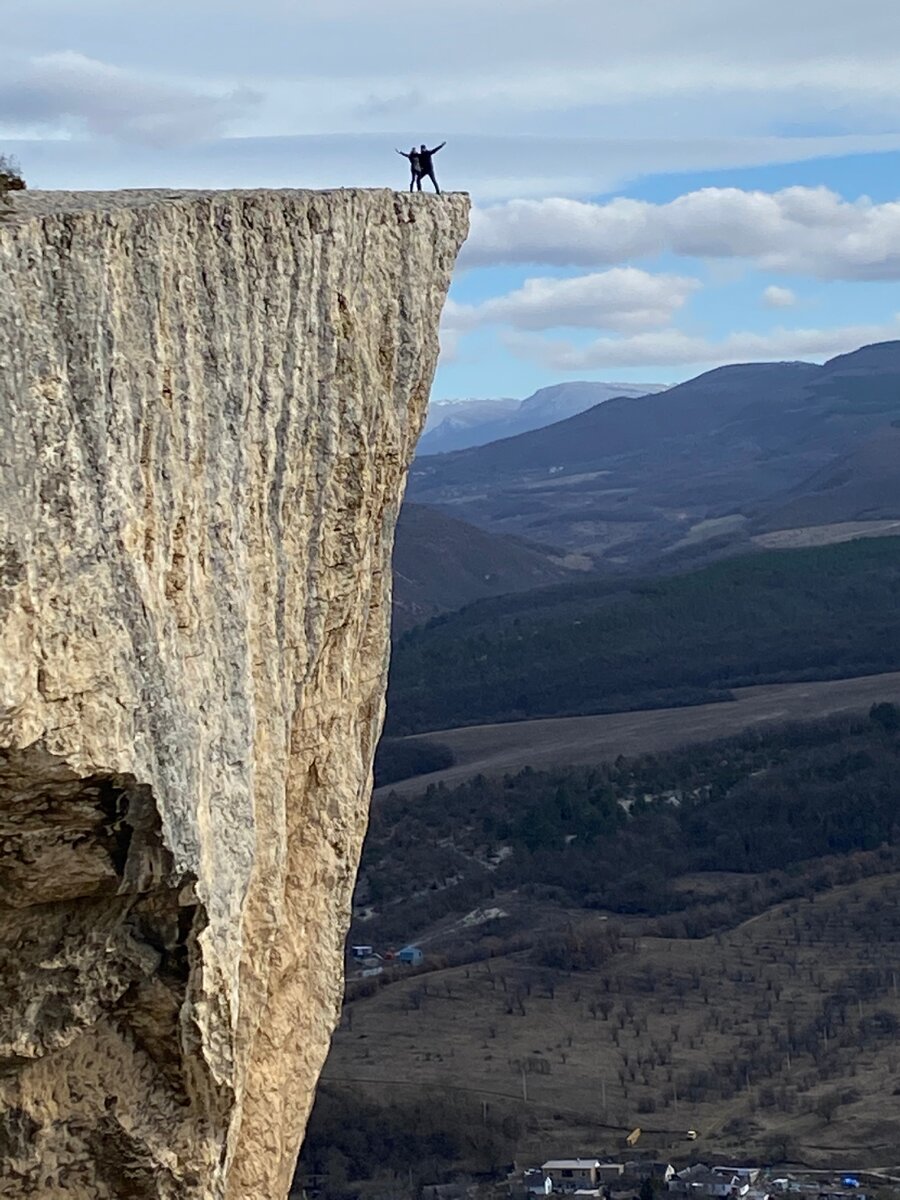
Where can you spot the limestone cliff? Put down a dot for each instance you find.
(208, 402)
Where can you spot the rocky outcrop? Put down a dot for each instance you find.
(208, 403)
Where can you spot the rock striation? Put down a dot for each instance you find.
(208, 403)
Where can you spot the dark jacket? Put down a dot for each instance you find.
(425, 164)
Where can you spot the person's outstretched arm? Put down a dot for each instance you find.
(403, 152)
(440, 147)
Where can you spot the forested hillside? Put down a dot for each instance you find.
(591, 647)
(619, 836)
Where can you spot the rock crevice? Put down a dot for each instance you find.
(208, 403)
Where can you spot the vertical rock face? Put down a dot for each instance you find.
(208, 403)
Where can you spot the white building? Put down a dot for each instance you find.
(572, 1174)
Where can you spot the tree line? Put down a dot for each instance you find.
(597, 646)
(618, 836)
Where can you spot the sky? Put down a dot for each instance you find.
(659, 187)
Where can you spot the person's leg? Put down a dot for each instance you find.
(412, 180)
(419, 182)
(434, 181)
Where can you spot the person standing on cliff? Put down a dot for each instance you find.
(421, 165)
(426, 166)
(415, 167)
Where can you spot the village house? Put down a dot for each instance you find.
(411, 956)
(747, 1174)
(369, 964)
(664, 1171)
(708, 1183)
(572, 1174)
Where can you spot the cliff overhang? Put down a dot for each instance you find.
(208, 403)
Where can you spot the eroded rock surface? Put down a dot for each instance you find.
(208, 402)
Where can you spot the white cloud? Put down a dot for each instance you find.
(517, 57)
(623, 299)
(810, 231)
(778, 297)
(69, 92)
(671, 347)
(544, 82)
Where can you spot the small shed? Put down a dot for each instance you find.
(537, 1183)
(411, 956)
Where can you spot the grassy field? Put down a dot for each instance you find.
(584, 741)
(825, 535)
(777, 1038)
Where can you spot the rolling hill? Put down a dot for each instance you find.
(441, 563)
(687, 471)
(863, 485)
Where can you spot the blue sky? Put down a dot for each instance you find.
(733, 293)
(659, 187)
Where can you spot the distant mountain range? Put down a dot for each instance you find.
(458, 424)
(695, 471)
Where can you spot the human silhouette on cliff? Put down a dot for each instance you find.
(426, 166)
(421, 165)
(414, 167)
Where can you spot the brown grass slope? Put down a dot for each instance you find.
(777, 1039)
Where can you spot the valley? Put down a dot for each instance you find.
(702, 939)
(638, 834)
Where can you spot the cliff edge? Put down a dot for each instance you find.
(208, 403)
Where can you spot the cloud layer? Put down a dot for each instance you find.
(69, 92)
(623, 299)
(673, 347)
(510, 63)
(809, 231)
